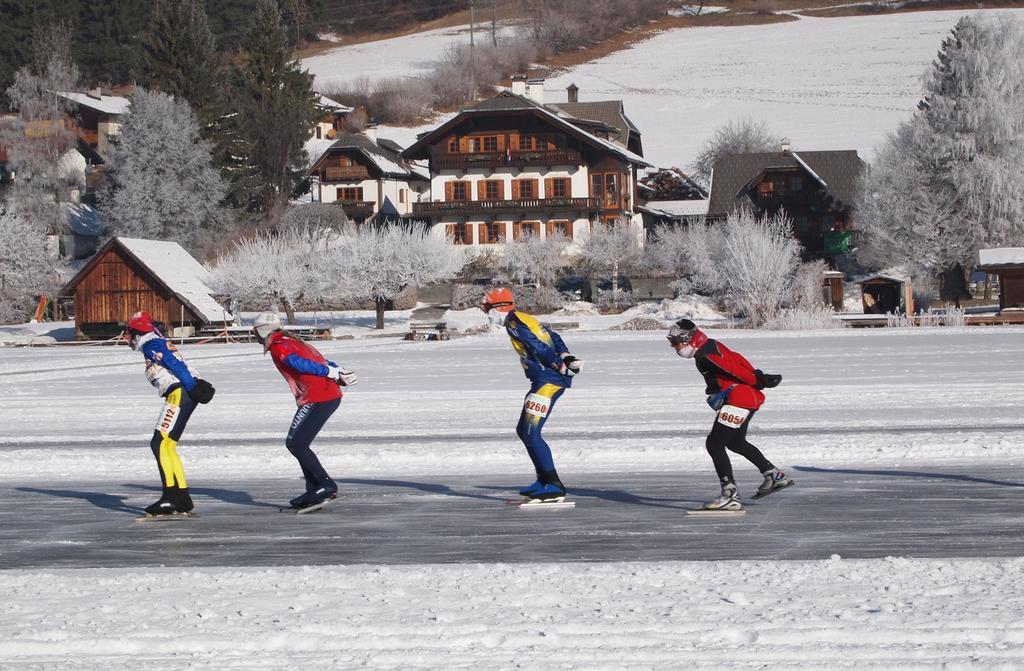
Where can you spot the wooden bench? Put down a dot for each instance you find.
(428, 331)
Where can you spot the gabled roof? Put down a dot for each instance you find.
(611, 113)
(1001, 257)
(507, 101)
(332, 105)
(838, 172)
(173, 267)
(385, 155)
(105, 104)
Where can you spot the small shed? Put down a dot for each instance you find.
(1007, 263)
(886, 294)
(130, 274)
(832, 289)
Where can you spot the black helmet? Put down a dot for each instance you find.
(682, 332)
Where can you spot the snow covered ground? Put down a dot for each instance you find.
(875, 398)
(826, 83)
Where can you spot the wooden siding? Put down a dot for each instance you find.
(116, 287)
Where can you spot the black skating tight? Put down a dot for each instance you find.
(723, 437)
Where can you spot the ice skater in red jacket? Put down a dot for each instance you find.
(316, 384)
(734, 389)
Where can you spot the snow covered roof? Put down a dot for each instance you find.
(332, 105)
(190, 281)
(681, 208)
(381, 154)
(105, 104)
(1001, 256)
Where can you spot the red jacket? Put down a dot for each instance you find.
(310, 384)
(721, 368)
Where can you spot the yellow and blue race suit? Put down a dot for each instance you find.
(540, 352)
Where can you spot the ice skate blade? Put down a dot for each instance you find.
(162, 518)
(772, 491)
(308, 509)
(537, 504)
(705, 512)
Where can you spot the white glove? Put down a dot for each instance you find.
(572, 365)
(345, 378)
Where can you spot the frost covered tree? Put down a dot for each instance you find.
(161, 180)
(27, 269)
(532, 258)
(380, 262)
(609, 250)
(741, 136)
(759, 258)
(275, 269)
(948, 180)
(690, 253)
(318, 216)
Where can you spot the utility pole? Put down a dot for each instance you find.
(472, 51)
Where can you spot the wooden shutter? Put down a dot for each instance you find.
(515, 189)
(517, 228)
(481, 233)
(535, 190)
(481, 190)
(501, 189)
(549, 187)
(448, 196)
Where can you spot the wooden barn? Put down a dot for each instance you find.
(129, 274)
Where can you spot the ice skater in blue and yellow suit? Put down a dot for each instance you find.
(550, 368)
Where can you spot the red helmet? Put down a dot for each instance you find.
(141, 322)
(500, 299)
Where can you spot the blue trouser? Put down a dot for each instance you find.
(536, 409)
(308, 421)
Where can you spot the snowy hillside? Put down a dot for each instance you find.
(836, 83)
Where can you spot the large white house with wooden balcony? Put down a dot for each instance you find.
(367, 177)
(512, 164)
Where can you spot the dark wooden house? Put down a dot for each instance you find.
(129, 274)
(1008, 265)
(815, 188)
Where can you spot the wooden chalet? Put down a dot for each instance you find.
(815, 188)
(512, 164)
(1007, 264)
(367, 177)
(130, 274)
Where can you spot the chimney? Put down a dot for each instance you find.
(785, 145)
(519, 85)
(95, 93)
(371, 132)
(536, 90)
(573, 92)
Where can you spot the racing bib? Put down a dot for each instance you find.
(537, 405)
(167, 418)
(732, 416)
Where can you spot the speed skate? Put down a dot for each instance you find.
(713, 512)
(527, 503)
(163, 518)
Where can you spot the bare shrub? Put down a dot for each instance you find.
(804, 318)
(739, 136)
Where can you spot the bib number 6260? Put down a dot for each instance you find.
(537, 405)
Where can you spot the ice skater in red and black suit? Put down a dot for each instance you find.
(734, 389)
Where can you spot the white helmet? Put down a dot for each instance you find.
(265, 324)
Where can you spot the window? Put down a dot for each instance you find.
(490, 189)
(490, 143)
(461, 234)
(483, 143)
(558, 187)
(796, 183)
(401, 195)
(350, 193)
(457, 191)
(453, 145)
(492, 232)
(605, 187)
(319, 132)
(558, 226)
(522, 228)
(524, 189)
(766, 189)
(528, 142)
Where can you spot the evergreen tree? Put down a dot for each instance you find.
(161, 181)
(273, 113)
(178, 54)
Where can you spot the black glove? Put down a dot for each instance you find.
(766, 380)
(202, 392)
(572, 365)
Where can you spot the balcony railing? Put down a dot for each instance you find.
(516, 159)
(357, 208)
(345, 173)
(526, 206)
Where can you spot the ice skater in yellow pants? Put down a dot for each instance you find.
(182, 389)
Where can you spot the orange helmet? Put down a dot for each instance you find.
(500, 299)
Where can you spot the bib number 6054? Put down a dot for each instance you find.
(732, 416)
